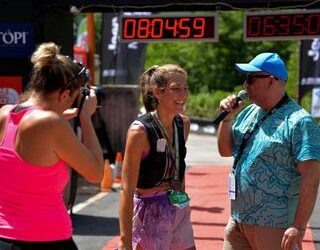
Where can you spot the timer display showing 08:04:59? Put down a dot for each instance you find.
(282, 26)
(162, 28)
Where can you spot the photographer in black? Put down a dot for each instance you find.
(37, 146)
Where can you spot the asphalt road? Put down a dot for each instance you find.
(95, 215)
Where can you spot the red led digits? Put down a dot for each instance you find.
(298, 23)
(282, 26)
(157, 28)
(269, 28)
(184, 27)
(129, 29)
(171, 26)
(143, 28)
(168, 28)
(314, 24)
(199, 27)
(254, 26)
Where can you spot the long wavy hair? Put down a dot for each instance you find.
(157, 76)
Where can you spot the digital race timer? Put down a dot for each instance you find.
(281, 25)
(168, 28)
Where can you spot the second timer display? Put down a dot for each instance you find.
(169, 28)
(281, 26)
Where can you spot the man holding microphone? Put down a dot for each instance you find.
(275, 176)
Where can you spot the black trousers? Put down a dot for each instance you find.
(8, 244)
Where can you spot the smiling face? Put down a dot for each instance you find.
(173, 97)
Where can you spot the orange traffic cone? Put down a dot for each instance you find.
(118, 167)
(106, 183)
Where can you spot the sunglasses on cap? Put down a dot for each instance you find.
(250, 78)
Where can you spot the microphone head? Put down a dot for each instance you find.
(243, 95)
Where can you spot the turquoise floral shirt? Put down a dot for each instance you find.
(267, 178)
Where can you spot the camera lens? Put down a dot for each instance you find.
(85, 92)
(99, 94)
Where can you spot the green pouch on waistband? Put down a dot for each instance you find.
(179, 199)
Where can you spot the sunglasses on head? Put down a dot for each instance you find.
(84, 72)
(250, 78)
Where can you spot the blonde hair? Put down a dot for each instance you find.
(52, 70)
(157, 76)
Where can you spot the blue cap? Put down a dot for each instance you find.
(270, 63)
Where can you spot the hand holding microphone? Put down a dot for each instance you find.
(229, 105)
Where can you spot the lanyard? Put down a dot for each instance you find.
(252, 129)
(173, 150)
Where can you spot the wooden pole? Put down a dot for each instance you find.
(91, 46)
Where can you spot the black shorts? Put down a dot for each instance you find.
(8, 244)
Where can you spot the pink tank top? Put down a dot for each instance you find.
(31, 197)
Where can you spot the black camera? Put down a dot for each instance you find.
(98, 92)
(85, 91)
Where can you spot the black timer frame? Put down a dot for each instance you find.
(281, 25)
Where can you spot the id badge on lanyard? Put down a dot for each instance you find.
(176, 195)
(232, 187)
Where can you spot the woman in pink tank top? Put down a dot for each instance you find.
(37, 144)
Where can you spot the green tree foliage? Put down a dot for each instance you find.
(211, 66)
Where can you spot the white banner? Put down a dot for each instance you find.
(315, 103)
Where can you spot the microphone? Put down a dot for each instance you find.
(242, 95)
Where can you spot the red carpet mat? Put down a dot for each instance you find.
(207, 188)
